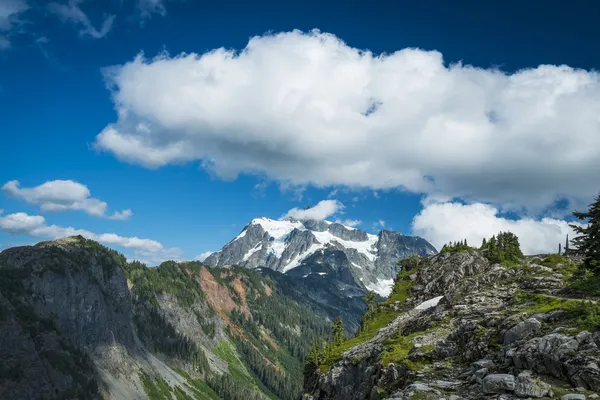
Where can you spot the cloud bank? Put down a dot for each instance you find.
(62, 195)
(441, 223)
(35, 226)
(321, 211)
(306, 108)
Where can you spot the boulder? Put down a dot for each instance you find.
(522, 330)
(527, 386)
(498, 383)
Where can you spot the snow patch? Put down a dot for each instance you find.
(252, 251)
(429, 303)
(365, 247)
(322, 273)
(278, 230)
(298, 259)
(382, 287)
(241, 235)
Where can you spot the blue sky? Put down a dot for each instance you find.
(173, 159)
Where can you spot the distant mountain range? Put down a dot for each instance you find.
(327, 249)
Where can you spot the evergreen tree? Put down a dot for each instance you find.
(559, 248)
(370, 298)
(337, 331)
(587, 243)
(567, 244)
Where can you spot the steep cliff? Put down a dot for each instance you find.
(79, 321)
(459, 327)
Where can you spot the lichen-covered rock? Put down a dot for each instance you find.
(527, 386)
(522, 331)
(498, 383)
(488, 337)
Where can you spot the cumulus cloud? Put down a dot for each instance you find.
(321, 211)
(72, 12)
(202, 256)
(306, 108)
(35, 226)
(121, 215)
(441, 223)
(62, 195)
(9, 14)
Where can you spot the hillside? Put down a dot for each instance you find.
(458, 326)
(79, 321)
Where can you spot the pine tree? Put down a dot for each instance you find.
(587, 243)
(559, 248)
(567, 244)
(337, 331)
(483, 244)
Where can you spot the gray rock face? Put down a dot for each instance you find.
(61, 299)
(308, 247)
(522, 330)
(527, 386)
(480, 337)
(498, 383)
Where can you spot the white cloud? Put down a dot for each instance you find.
(203, 256)
(121, 215)
(71, 12)
(309, 109)
(35, 226)
(321, 211)
(62, 195)
(441, 223)
(9, 13)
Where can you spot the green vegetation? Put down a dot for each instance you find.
(455, 247)
(168, 277)
(277, 339)
(585, 313)
(376, 316)
(587, 243)
(503, 248)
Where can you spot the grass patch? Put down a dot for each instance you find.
(237, 370)
(398, 348)
(156, 390)
(380, 320)
(586, 313)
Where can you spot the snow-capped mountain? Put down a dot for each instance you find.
(302, 248)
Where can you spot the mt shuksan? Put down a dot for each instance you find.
(301, 248)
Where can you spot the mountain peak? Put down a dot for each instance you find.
(295, 247)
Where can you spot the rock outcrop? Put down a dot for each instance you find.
(493, 331)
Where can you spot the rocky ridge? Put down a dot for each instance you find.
(338, 253)
(458, 327)
(79, 321)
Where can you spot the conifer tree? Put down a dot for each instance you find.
(337, 331)
(587, 243)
